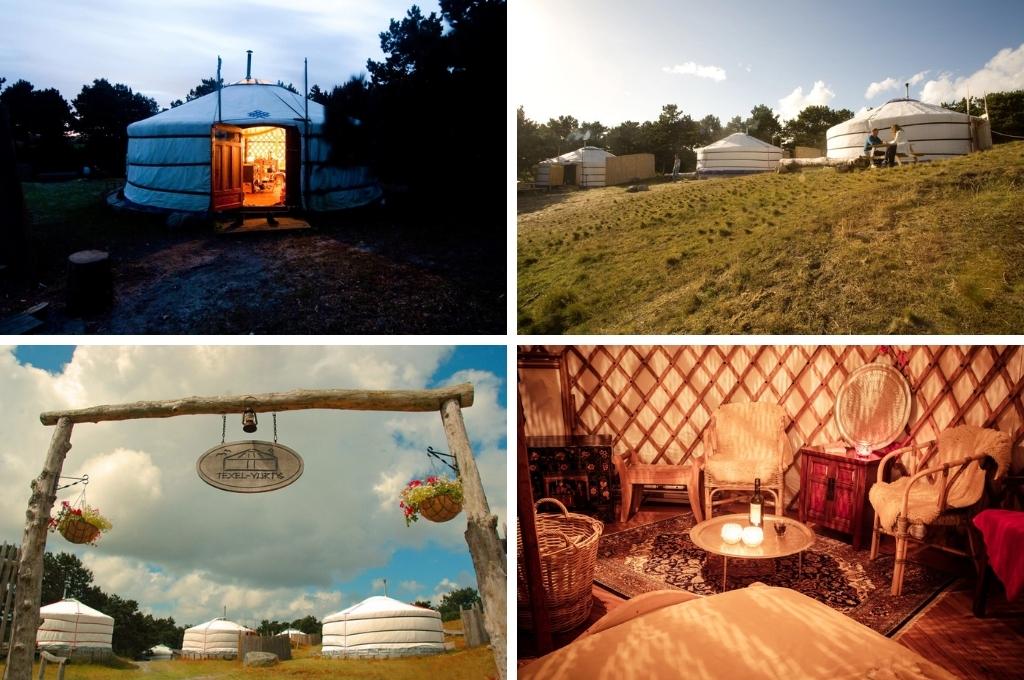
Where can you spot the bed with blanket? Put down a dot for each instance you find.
(754, 632)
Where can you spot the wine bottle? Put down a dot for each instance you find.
(756, 504)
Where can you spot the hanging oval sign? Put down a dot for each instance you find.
(249, 466)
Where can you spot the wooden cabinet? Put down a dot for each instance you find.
(834, 491)
(575, 469)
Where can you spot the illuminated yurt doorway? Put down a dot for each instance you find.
(251, 166)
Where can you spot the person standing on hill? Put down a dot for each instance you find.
(675, 167)
(897, 138)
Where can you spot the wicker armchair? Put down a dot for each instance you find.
(944, 483)
(743, 442)
(634, 474)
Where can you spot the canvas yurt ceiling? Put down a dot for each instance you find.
(169, 154)
(738, 153)
(657, 400)
(216, 637)
(382, 626)
(71, 625)
(933, 131)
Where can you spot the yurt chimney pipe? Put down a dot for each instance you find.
(218, 89)
(248, 64)
(907, 85)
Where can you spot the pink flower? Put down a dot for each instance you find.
(431, 480)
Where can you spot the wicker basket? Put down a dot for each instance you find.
(79, 531)
(568, 555)
(439, 508)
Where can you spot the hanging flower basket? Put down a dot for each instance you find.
(437, 499)
(83, 524)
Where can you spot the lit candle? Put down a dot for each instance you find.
(752, 536)
(732, 532)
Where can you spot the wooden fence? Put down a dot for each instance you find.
(8, 576)
(304, 640)
(473, 626)
(621, 169)
(275, 644)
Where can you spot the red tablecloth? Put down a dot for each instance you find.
(1003, 531)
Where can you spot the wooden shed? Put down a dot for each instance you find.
(656, 414)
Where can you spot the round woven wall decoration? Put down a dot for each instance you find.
(873, 406)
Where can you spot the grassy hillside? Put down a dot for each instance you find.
(936, 248)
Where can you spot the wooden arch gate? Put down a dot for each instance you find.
(481, 526)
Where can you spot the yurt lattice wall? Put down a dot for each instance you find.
(657, 400)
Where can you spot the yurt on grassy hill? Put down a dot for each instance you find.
(249, 145)
(737, 154)
(382, 627)
(931, 130)
(160, 652)
(70, 628)
(584, 167)
(217, 638)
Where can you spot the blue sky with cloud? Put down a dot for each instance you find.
(613, 61)
(163, 49)
(182, 548)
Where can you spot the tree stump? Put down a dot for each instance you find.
(90, 284)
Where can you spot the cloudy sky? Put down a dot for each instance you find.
(164, 49)
(613, 61)
(182, 548)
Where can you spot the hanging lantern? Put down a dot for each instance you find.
(249, 421)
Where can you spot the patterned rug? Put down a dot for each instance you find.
(660, 555)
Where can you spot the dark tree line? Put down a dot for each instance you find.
(1005, 113)
(438, 73)
(134, 632)
(307, 624)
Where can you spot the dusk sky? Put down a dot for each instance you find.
(164, 49)
(182, 548)
(613, 61)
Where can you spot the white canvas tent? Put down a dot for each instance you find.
(588, 164)
(70, 628)
(737, 153)
(160, 652)
(215, 638)
(291, 632)
(170, 163)
(931, 130)
(381, 626)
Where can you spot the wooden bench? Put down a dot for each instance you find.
(633, 472)
(876, 156)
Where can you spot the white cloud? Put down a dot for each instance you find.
(875, 88)
(690, 68)
(411, 586)
(796, 101)
(182, 548)
(1004, 71)
(917, 77)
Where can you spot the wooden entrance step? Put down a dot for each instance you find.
(262, 223)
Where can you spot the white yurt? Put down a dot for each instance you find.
(215, 638)
(381, 626)
(931, 130)
(737, 153)
(584, 167)
(70, 628)
(160, 652)
(247, 145)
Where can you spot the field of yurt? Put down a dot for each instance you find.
(215, 639)
(71, 629)
(737, 154)
(381, 627)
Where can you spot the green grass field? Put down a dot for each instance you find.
(936, 248)
(472, 664)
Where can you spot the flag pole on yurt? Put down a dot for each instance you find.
(218, 89)
(305, 165)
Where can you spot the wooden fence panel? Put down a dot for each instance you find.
(275, 644)
(621, 169)
(473, 626)
(9, 555)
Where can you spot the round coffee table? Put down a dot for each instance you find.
(708, 536)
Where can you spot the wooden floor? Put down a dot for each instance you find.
(945, 632)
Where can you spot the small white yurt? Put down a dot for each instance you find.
(931, 130)
(291, 632)
(736, 154)
(70, 628)
(381, 626)
(215, 638)
(160, 652)
(249, 145)
(584, 167)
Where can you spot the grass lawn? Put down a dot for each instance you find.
(936, 248)
(472, 664)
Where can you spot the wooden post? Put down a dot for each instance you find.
(481, 533)
(531, 550)
(33, 545)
